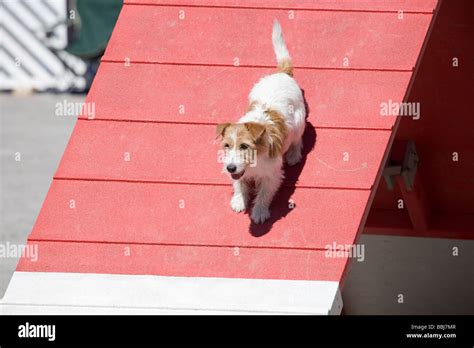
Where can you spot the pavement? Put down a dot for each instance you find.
(32, 141)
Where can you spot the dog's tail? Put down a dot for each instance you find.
(284, 63)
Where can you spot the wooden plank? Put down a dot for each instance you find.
(145, 294)
(39, 309)
(183, 261)
(416, 202)
(197, 94)
(177, 153)
(194, 215)
(218, 36)
(425, 6)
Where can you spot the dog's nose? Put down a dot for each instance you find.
(231, 168)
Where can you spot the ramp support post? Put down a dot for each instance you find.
(408, 181)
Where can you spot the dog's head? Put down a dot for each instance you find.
(242, 143)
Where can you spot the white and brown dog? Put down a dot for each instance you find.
(270, 132)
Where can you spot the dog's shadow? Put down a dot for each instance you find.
(282, 204)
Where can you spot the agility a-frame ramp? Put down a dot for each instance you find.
(137, 219)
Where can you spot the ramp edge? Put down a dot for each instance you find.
(81, 293)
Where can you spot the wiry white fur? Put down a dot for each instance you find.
(279, 92)
(279, 45)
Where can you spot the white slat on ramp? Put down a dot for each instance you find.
(78, 293)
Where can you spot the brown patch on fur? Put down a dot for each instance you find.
(285, 66)
(249, 134)
(255, 129)
(277, 132)
(251, 106)
(220, 129)
(260, 141)
(265, 138)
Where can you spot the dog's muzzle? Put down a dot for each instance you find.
(237, 176)
(232, 168)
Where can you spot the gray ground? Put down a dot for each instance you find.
(423, 270)
(28, 125)
(407, 275)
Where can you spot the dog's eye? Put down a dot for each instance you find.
(226, 146)
(244, 146)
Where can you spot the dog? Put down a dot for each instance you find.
(269, 134)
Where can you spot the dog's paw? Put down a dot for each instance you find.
(260, 214)
(237, 203)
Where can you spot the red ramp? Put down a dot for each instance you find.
(138, 205)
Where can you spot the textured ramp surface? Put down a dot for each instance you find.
(216, 94)
(139, 191)
(425, 6)
(149, 152)
(315, 39)
(98, 217)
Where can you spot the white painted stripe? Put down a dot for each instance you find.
(14, 71)
(18, 79)
(23, 35)
(30, 19)
(74, 293)
(27, 19)
(74, 63)
(78, 310)
(42, 12)
(59, 38)
(25, 38)
(25, 58)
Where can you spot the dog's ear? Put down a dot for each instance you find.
(255, 129)
(277, 133)
(220, 129)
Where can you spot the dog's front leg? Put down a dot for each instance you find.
(239, 200)
(267, 187)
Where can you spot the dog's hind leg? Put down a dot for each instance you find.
(240, 198)
(293, 155)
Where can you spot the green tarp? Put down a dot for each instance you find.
(93, 25)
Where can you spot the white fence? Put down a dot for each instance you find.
(33, 35)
